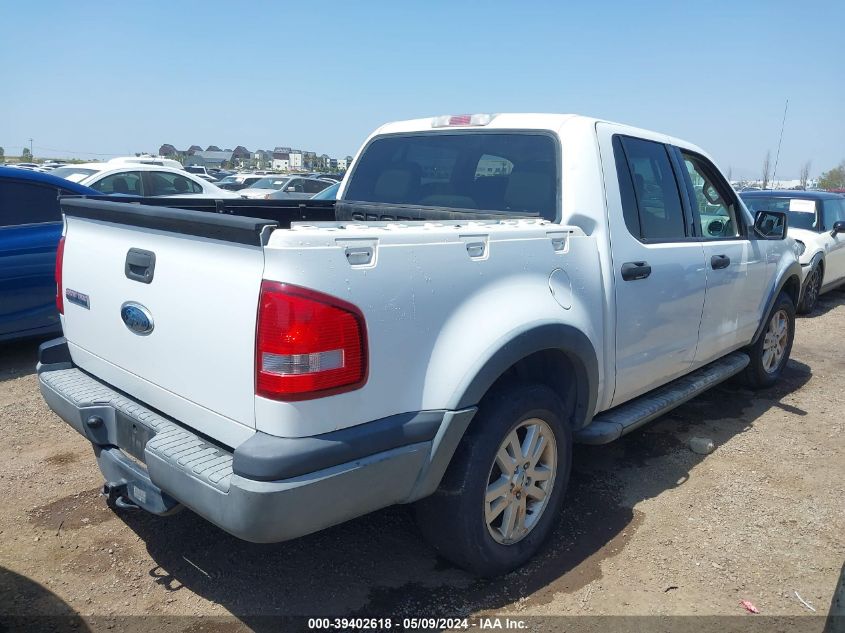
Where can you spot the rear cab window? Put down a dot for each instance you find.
(510, 172)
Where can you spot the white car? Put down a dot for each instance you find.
(141, 179)
(496, 288)
(264, 187)
(817, 223)
(159, 161)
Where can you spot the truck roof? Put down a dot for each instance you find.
(526, 121)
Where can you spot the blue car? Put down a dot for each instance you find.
(30, 228)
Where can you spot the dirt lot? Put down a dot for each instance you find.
(649, 526)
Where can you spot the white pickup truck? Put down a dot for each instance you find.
(495, 288)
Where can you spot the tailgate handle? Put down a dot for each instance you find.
(140, 265)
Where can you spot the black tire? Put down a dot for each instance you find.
(812, 288)
(453, 518)
(756, 375)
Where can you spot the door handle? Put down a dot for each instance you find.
(140, 265)
(631, 271)
(720, 261)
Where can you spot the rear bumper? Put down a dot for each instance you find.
(281, 498)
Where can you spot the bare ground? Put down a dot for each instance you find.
(649, 527)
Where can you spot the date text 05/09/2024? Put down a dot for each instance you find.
(408, 624)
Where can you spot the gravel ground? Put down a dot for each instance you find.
(649, 526)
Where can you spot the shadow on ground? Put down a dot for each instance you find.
(26, 605)
(378, 564)
(18, 358)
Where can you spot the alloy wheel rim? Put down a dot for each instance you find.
(774, 342)
(813, 287)
(520, 481)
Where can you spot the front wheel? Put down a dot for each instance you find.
(503, 490)
(771, 351)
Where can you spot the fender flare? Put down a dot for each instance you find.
(793, 270)
(817, 257)
(550, 336)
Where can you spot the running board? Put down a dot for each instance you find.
(613, 424)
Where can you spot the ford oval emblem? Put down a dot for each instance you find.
(137, 318)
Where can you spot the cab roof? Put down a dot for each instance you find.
(28, 175)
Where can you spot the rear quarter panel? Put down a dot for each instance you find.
(433, 314)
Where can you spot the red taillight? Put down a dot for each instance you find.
(308, 344)
(60, 254)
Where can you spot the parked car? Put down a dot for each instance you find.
(265, 186)
(30, 228)
(141, 180)
(817, 223)
(236, 182)
(198, 170)
(300, 188)
(545, 279)
(158, 161)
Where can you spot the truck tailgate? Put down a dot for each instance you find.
(162, 304)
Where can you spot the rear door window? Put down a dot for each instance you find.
(28, 203)
(647, 180)
(507, 172)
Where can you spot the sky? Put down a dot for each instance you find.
(95, 79)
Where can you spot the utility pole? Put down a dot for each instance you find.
(30, 149)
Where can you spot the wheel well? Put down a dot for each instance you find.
(792, 287)
(552, 368)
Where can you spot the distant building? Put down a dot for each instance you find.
(167, 150)
(281, 161)
(209, 158)
(193, 149)
(213, 148)
(241, 153)
(263, 159)
(296, 161)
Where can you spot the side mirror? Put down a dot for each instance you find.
(291, 189)
(770, 225)
(838, 227)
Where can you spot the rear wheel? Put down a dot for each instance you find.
(771, 351)
(812, 288)
(501, 495)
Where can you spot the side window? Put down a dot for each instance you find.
(28, 203)
(164, 183)
(647, 180)
(834, 211)
(315, 186)
(711, 199)
(127, 182)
